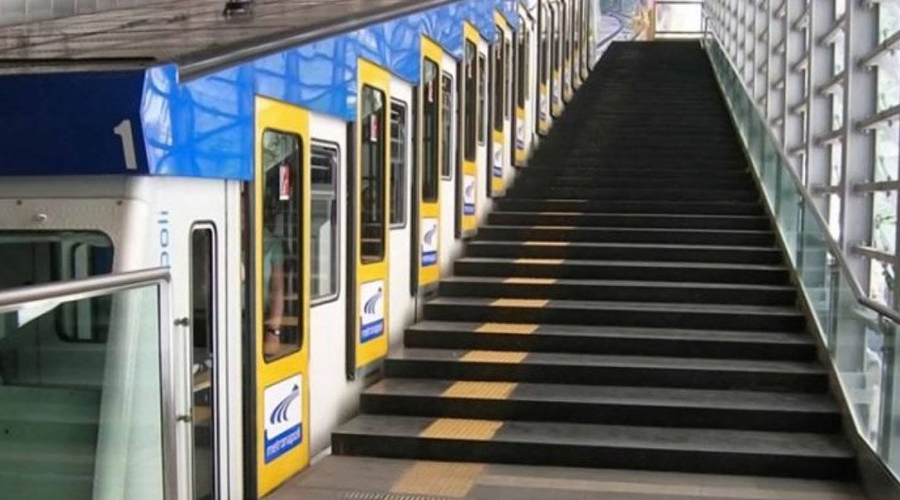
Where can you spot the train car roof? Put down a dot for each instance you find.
(193, 34)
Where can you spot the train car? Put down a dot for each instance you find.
(306, 177)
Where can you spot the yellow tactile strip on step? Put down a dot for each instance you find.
(529, 281)
(494, 356)
(546, 243)
(438, 479)
(480, 390)
(462, 428)
(520, 303)
(510, 328)
(550, 262)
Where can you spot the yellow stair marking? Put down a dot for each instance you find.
(480, 390)
(440, 479)
(566, 228)
(546, 243)
(494, 356)
(551, 262)
(462, 428)
(562, 213)
(530, 281)
(509, 328)
(520, 303)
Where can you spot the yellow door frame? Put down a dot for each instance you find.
(556, 42)
(428, 229)
(498, 183)
(567, 54)
(519, 153)
(544, 79)
(371, 304)
(469, 178)
(277, 382)
(577, 40)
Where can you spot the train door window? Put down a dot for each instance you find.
(282, 244)
(498, 71)
(373, 175)
(507, 77)
(203, 333)
(446, 125)
(430, 131)
(482, 98)
(399, 152)
(471, 103)
(545, 48)
(520, 67)
(554, 53)
(324, 169)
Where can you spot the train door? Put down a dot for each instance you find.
(369, 307)
(402, 133)
(449, 160)
(587, 45)
(483, 127)
(566, 23)
(499, 105)
(427, 229)
(522, 86)
(544, 67)
(576, 44)
(281, 208)
(469, 117)
(556, 53)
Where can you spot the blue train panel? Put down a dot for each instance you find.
(204, 127)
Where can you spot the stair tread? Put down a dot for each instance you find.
(621, 283)
(599, 245)
(600, 394)
(628, 214)
(625, 263)
(629, 332)
(663, 230)
(597, 435)
(608, 360)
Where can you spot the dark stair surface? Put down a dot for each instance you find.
(625, 305)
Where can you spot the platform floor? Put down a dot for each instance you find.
(358, 478)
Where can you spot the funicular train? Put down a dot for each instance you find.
(307, 172)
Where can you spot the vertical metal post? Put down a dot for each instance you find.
(858, 158)
(762, 50)
(795, 51)
(774, 69)
(818, 105)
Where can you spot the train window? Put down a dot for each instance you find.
(507, 78)
(471, 103)
(323, 246)
(554, 27)
(203, 328)
(399, 155)
(373, 173)
(34, 257)
(521, 59)
(497, 72)
(446, 126)
(282, 244)
(482, 98)
(430, 131)
(545, 48)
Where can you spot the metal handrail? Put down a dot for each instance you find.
(14, 298)
(833, 247)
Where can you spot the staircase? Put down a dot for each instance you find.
(625, 306)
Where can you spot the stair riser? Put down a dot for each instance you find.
(625, 346)
(645, 221)
(693, 208)
(634, 194)
(626, 376)
(766, 297)
(589, 316)
(573, 270)
(647, 254)
(601, 181)
(716, 238)
(552, 171)
(601, 413)
(594, 456)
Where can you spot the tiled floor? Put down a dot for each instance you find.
(352, 478)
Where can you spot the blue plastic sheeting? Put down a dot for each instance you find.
(71, 123)
(204, 127)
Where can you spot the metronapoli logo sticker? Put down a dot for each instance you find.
(283, 414)
(429, 241)
(469, 195)
(371, 310)
(498, 160)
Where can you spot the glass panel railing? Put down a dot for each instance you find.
(861, 336)
(80, 392)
